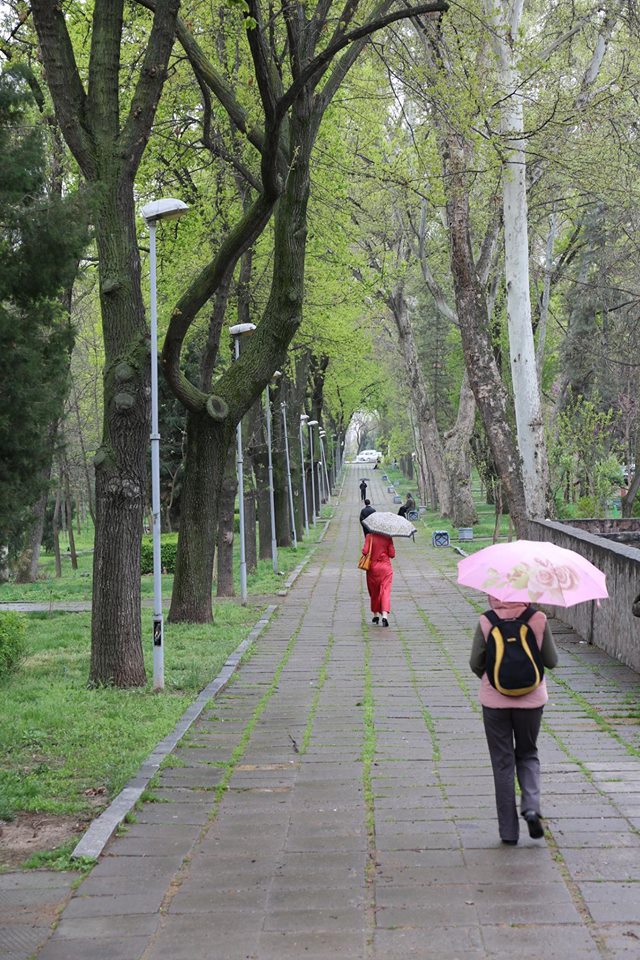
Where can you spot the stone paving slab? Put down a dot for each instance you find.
(359, 817)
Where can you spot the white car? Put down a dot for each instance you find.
(368, 456)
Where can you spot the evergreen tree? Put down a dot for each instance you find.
(39, 247)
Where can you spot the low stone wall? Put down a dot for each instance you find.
(612, 626)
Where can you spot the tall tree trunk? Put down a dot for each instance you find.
(55, 523)
(108, 141)
(226, 527)
(121, 460)
(68, 501)
(250, 539)
(457, 460)
(505, 18)
(280, 486)
(484, 376)
(208, 444)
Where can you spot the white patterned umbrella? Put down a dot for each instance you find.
(391, 524)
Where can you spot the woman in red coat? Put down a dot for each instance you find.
(379, 575)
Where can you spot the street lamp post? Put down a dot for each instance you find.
(166, 209)
(311, 424)
(334, 465)
(303, 418)
(274, 543)
(324, 466)
(238, 331)
(292, 519)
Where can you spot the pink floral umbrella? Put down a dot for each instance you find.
(533, 571)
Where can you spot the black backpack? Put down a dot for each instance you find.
(514, 660)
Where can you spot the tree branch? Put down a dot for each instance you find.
(317, 66)
(135, 132)
(204, 69)
(201, 290)
(64, 82)
(103, 94)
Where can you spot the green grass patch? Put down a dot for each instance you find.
(66, 749)
(77, 585)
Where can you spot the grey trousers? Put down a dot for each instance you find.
(512, 736)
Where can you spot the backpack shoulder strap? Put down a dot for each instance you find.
(492, 617)
(526, 615)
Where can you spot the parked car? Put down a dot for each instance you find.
(368, 456)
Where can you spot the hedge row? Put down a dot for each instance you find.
(168, 550)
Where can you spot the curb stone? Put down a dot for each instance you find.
(103, 827)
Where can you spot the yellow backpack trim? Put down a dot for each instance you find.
(499, 642)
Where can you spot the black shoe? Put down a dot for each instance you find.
(375, 620)
(385, 622)
(536, 830)
(510, 843)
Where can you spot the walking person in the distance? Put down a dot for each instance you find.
(366, 511)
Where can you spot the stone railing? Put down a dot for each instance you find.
(612, 626)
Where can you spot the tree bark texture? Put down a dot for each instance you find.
(208, 444)
(226, 527)
(121, 460)
(250, 528)
(484, 377)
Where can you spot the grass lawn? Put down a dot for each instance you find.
(66, 750)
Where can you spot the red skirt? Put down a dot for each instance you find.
(379, 580)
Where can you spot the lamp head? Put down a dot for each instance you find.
(242, 329)
(166, 209)
(304, 416)
(312, 423)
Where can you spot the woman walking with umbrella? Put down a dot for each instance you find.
(511, 647)
(381, 551)
(381, 527)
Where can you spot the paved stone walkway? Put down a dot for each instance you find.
(338, 800)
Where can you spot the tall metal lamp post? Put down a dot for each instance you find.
(238, 331)
(292, 519)
(267, 406)
(166, 209)
(334, 465)
(311, 424)
(303, 418)
(324, 466)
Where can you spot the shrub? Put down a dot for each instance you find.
(12, 642)
(168, 550)
(586, 507)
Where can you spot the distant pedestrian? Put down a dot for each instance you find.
(379, 575)
(363, 489)
(512, 722)
(366, 511)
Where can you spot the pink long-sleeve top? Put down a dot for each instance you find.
(488, 695)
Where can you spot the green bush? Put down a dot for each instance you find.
(12, 642)
(586, 507)
(168, 550)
